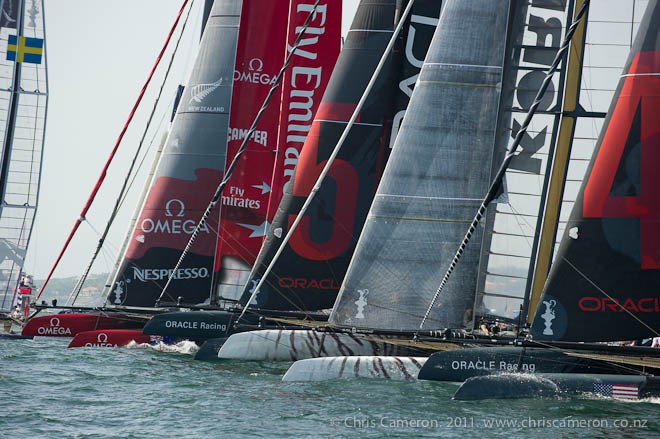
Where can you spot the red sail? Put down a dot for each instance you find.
(259, 57)
(250, 199)
(303, 86)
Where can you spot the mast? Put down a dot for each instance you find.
(560, 161)
(603, 284)
(14, 97)
(512, 224)
(22, 141)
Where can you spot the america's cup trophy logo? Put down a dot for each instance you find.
(361, 303)
(118, 292)
(548, 316)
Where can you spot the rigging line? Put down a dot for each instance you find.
(104, 171)
(332, 157)
(146, 153)
(610, 297)
(241, 150)
(497, 181)
(124, 188)
(568, 351)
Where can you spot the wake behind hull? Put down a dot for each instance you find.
(294, 345)
(333, 368)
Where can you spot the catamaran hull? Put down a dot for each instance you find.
(462, 364)
(294, 345)
(193, 325)
(209, 350)
(108, 338)
(518, 385)
(68, 325)
(333, 368)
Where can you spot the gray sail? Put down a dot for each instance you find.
(438, 172)
(189, 169)
(23, 101)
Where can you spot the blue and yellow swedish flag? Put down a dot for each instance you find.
(25, 49)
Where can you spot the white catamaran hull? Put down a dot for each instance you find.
(333, 368)
(294, 345)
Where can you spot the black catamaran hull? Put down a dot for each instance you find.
(509, 386)
(462, 364)
(193, 325)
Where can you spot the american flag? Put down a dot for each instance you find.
(621, 391)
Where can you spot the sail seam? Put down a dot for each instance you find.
(428, 198)
(345, 122)
(479, 66)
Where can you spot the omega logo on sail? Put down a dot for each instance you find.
(173, 209)
(254, 75)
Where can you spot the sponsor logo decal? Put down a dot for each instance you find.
(546, 33)
(54, 328)
(491, 365)
(173, 224)
(606, 304)
(120, 289)
(258, 231)
(406, 85)
(254, 74)
(303, 82)
(236, 198)
(195, 325)
(551, 319)
(548, 316)
(260, 137)
(101, 342)
(307, 284)
(156, 274)
(199, 93)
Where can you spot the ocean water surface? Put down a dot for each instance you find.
(50, 391)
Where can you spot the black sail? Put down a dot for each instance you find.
(605, 280)
(309, 272)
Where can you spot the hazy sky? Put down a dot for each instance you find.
(99, 54)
